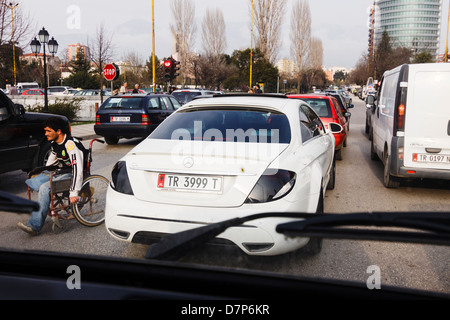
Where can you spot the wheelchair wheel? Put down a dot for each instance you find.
(90, 209)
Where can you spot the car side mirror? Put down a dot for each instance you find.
(370, 101)
(20, 110)
(335, 127)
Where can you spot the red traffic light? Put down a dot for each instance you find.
(167, 63)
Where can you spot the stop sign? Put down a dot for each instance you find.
(111, 72)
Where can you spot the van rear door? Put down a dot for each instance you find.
(427, 123)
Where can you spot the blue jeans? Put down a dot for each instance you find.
(41, 183)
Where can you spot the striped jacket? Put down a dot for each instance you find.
(68, 154)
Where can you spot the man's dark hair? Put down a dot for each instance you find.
(57, 123)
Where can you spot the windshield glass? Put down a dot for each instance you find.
(163, 165)
(185, 97)
(320, 106)
(123, 103)
(225, 125)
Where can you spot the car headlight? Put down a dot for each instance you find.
(119, 178)
(272, 185)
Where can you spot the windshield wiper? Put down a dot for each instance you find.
(13, 203)
(427, 227)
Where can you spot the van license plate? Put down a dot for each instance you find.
(424, 157)
(190, 183)
(120, 119)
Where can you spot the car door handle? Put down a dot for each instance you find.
(448, 128)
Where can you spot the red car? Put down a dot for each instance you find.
(329, 110)
(33, 92)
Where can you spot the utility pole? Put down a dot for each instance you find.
(446, 43)
(12, 7)
(153, 46)
(251, 47)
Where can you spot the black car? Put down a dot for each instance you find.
(23, 144)
(132, 115)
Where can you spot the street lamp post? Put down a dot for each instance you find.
(52, 48)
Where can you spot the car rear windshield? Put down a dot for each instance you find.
(123, 103)
(235, 125)
(320, 106)
(185, 97)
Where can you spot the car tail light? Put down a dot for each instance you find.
(400, 111)
(119, 178)
(272, 185)
(401, 117)
(145, 120)
(97, 119)
(401, 152)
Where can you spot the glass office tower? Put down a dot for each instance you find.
(414, 24)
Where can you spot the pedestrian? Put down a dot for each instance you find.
(123, 89)
(257, 89)
(136, 88)
(13, 91)
(115, 92)
(67, 155)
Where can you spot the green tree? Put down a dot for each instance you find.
(147, 74)
(7, 64)
(262, 71)
(423, 57)
(340, 76)
(81, 75)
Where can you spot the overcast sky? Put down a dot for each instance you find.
(342, 25)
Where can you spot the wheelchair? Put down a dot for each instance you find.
(90, 209)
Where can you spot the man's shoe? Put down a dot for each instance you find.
(26, 228)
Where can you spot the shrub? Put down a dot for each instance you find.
(64, 107)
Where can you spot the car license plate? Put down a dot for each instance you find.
(120, 119)
(435, 158)
(190, 183)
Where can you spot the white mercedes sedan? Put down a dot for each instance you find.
(223, 157)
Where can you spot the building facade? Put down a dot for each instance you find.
(286, 66)
(74, 49)
(414, 24)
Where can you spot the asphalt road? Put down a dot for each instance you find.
(358, 188)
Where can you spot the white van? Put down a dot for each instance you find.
(22, 86)
(411, 123)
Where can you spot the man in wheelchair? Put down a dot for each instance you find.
(67, 160)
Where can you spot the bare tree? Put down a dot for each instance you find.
(213, 33)
(100, 53)
(22, 24)
(268, 20)
(211, 73)
(184, 30)
(210, 68)
(135, 67)
(316, 53)
(300, 35)
(314, 62)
